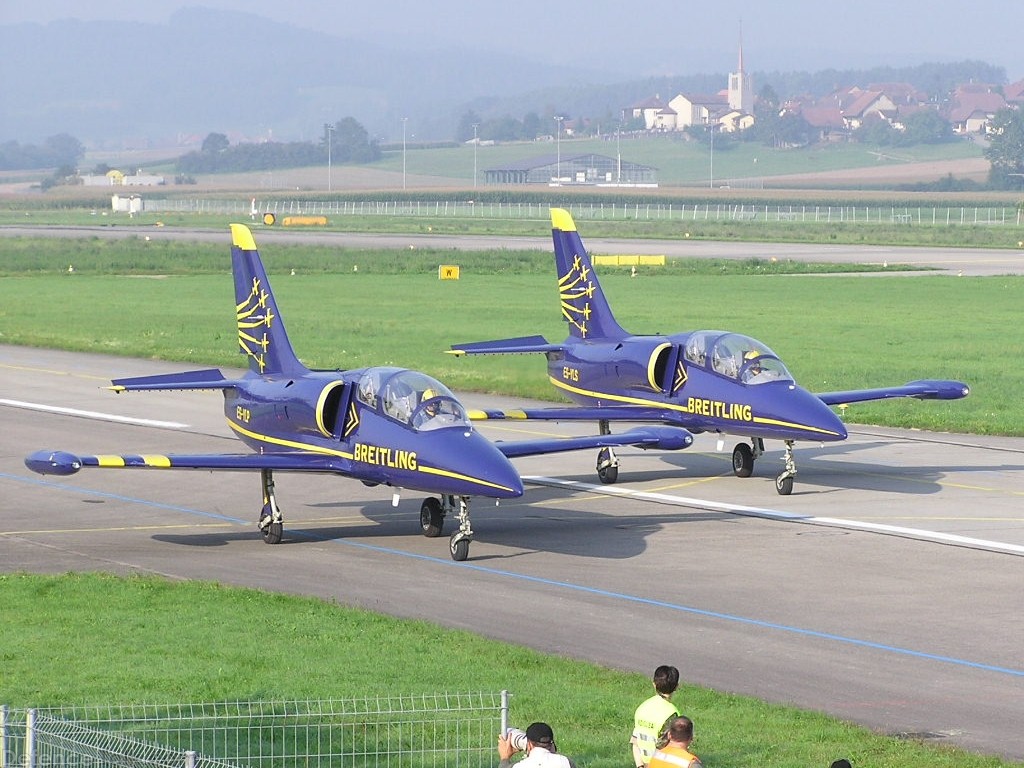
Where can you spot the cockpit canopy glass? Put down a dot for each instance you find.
(411, 397)
(735, 356)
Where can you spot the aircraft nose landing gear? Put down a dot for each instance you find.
(607, 461)
(784, 482)
(459, 542)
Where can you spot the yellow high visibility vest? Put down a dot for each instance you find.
(647, 722)
(671, 756)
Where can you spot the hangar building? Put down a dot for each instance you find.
(587, 168)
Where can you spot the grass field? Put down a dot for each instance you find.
(834, 332)
(149, 640)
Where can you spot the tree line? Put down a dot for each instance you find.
(347, 141)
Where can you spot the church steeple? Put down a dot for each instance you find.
(741, 91)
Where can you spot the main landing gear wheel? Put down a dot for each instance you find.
(742, 460)
(431, 518)
(271, 523)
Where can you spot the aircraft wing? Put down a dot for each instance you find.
(64, 463)
(522, 345)
(659, 437)
(639, 413)
(924, 389)
(209, 378)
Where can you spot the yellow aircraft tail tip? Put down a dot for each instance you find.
(562, 219)
(242, 238)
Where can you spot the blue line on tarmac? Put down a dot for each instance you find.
(560, 584)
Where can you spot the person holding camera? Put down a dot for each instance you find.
(538, 742)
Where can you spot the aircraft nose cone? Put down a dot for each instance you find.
(502, 476)
(477, 463)
(824, 421)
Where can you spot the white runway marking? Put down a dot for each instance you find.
(776, 514)
(92, 414)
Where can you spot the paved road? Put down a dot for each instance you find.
(961, 261)
(887, 590)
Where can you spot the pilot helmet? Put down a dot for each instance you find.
(751, 354)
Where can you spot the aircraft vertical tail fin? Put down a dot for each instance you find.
(584, 306)
(261, 334)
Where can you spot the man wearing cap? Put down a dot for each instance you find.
(540, 749)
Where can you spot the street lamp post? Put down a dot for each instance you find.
(330, 141)
(476, 143)
(711, 127)
(558, 147)
(404, 121)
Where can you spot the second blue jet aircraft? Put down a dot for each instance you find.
(701, 381)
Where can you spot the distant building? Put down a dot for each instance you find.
(115, 178)
(730, 109)
(590, 168)
(741, 87)
(973, 107)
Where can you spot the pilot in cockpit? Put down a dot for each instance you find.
(431, 407)
(751, 356)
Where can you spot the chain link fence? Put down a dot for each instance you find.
(817, 214)
(434, 730)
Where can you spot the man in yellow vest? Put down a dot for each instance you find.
(650, 716)
(676, 753)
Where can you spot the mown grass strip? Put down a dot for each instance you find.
(149, 640)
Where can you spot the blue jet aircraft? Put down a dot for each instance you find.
(381, 425)
(700, 381)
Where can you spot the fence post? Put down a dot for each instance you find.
(190, 758)
(3, 736)
(30, 739)
(504, 712)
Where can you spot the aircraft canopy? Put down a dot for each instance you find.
(412, 398)
(735, 356)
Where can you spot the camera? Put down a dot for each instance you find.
(516, 738)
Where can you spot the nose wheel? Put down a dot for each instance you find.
(458, 544)
(784, 482)
(607, 461)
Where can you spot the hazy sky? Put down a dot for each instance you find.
(641, 37)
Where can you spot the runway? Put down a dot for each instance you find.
(970, 262)
(886, 590)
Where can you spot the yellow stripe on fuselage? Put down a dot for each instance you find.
(674, 407)
(347, 455)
